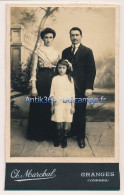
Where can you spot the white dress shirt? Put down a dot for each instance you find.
(76, 47)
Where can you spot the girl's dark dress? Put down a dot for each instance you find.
(39, 120)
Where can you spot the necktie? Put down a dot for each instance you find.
(74, 50)
(72, 54)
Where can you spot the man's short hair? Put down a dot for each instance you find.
(76, 28)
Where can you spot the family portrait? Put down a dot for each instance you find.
(63, 93)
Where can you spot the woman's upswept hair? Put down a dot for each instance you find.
(66, 63)
(46, 31)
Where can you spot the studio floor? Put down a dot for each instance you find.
(99, 142)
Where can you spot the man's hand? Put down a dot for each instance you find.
(34, 92)
(88, 92)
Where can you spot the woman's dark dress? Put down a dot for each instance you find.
(40, 126)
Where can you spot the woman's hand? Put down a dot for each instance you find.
(72, 111)
(88, 92)
(34, 92)
(52, 109)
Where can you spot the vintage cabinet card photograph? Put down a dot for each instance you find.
(62, 96)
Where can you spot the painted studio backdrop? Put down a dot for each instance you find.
(98, 27)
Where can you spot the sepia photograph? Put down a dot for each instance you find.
(62, 83)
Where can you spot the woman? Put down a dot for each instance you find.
(45, 59)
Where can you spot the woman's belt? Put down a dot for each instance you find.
(47, 69)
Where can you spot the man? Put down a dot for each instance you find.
(84, 73)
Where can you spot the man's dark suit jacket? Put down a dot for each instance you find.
(83, 67)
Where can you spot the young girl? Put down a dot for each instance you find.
(62, 89)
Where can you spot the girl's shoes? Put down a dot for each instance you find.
(60, 139)
(64, 139)
(64, 142)
(57, 141)
(57, 138)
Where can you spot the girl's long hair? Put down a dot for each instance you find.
(66, 63)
